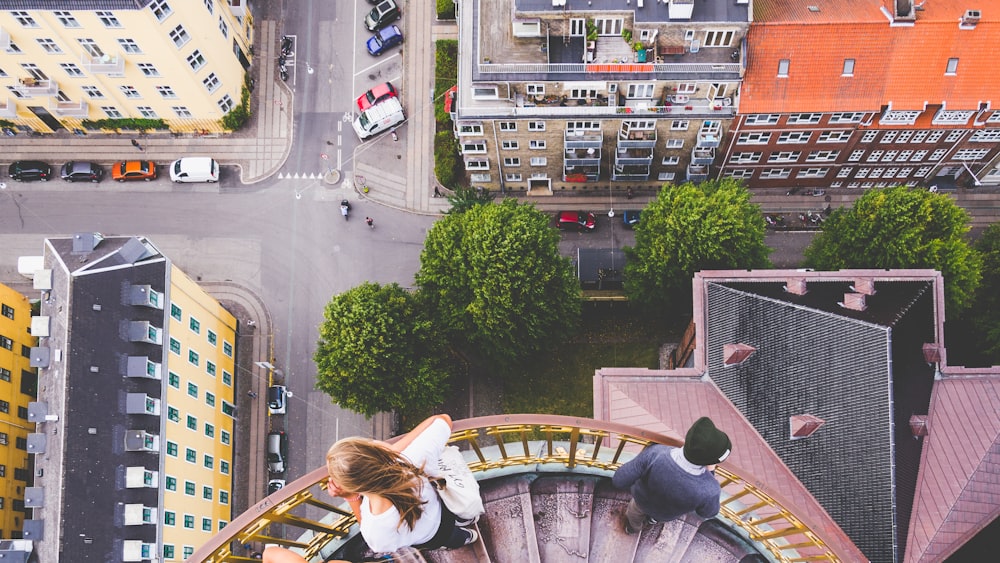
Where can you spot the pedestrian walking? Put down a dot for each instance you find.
(252, 394)
(437, 192)
(137, 145)
(667, 483)
(370, 222)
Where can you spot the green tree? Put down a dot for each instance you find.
(688, 228)
(378, 352)
(984, 314)
(465, 198)
(902, 228)
(495, 280)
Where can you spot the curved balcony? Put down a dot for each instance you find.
(546, 486)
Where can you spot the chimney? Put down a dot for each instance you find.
(803, 425)
(854, 301)
(736, 353)
(903, 10)
(918, 425)
(796, 286)
(865, 286)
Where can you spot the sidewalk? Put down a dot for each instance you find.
(258, 149)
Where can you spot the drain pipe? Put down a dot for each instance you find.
(496, 145)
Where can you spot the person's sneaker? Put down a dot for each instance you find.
(466, 523)
(473, 536)
(628, 528)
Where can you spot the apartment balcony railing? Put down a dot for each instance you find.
(111, 65)
(654, 71)
(702, 155)
(626, 156)
(70, 109)
(569, 161)
(709, 139)
(582, 140)
(697, 173)
(689, 110)
(580, 453)
(626, 177)
(30, 86)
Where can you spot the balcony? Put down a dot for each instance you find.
(632, 139)
(582, 140)
(30, 86)
(710, 138)
(8, 108)
(69, 109)
(641, 156)
(701, 155)
(111, 65)
(238, 8)
(697, 173)
(582, 157)
(545, 482)
(581, 173)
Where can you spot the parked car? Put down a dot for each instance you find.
(82, 172)
(384, 39)
(382, 14)
(576, 221)
(29, 170)
(631, 217)
(377, 94)
(277, 451)
(276, 395)
(133, 170)
(275, 485)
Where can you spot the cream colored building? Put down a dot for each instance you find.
(18, 386)
(182, 61)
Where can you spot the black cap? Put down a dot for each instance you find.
(705, 444)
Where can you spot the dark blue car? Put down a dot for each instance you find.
(385, 39)
(631, 218)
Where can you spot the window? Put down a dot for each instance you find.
(508, 126)
(171, 448)
(904, 156)
(206, 523)
(24, 19)
(888, 137)
(666, 176)
(4, 406)
(784, 156)
(636, 91)
(874, 156)
(66, 19)
(889, 156)
(193, 357)
(179, 36)
(13, 48)
(188, 551)
(160, 9)
(536, 126)
(670, 161)
(922, 171)
(226, 103)
(783, 68)
(7, 311)
(209, 430)
(192, 422)
(175, 345)
(210, 398)
(512, 161)
(763, 119)
(847, 117)
(845, 172)
(848, 67)
(166, 92)
(174, 380)
(739, 173)
(4, 374)
(900, 117)
(952, 67)
(954, 136)
(196, 60)
(173, 414)
(208, 462)
(71, 69)
(223, 497)
(812, 173)
(775, 173)
(833, 136)
(6, 342)
(822, 156)
(108, 19)
(513, 177)
(739, 158)
(934, 136)
(986, 136)
(195, 325)
(474, 147)
(193, 390)
(794, 137)
(147, 112)
(190, 455)
(189, 520)
(129, 92)
(918, 156)
(536, 144)
(148, 69)
(504, 145)
(223, 467)
(92, 91)
(227, 349)
(485, 92)
(477, 164)
(718, 38)
(539, 161)
(971, 154)
(182, 111)
(804, 118)
(228, 408)
(753, 138)
(49, 46)
(675, 143)
(212, 337)
(210, 367)
(679, 125)
(171, 483)
(227, 378)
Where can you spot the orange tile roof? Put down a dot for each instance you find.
(957, 493)
(901, 65)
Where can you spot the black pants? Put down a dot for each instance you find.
(448, 535)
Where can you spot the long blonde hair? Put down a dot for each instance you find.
(359, 465)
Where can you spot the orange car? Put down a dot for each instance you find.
(133, 170)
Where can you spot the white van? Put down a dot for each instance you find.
(379, 118)
(194, 169)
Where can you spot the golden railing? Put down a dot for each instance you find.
(519, 440)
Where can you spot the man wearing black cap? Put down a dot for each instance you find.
(668, 482)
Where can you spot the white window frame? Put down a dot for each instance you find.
(687, 87)
(534, 89)
(464, 129)
(804, 118)
(955, 117)
(511, 161)
(822, 156)
(794, 137)
(815, 172)
(784, 157)
(666, 176)
(641, 90)
(840, 136)
(538, 161)
(783, 66)
(508, 126)
(745, 157)
(509, 145)
(775, 173)
(762, 119)
(675, 144)
(536, 126)
(679, 124)
(477, 164)
(474, 146)
(900, 117)
(751, 138)
(970, 154)
(536, 144)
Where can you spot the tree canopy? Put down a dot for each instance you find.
(493, 278)
(465, 198)
(689, 228)
(377, 352)
(987, 302)
(902, 228)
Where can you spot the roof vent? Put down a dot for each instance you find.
(97, 306)
(736, 353)
(813, 8)
(918, 425)
(796, 286)
(803, 425)
(932, 353)
(92, 431)
(969, 19)
(94, 369)
(854, 302)
(865, 286)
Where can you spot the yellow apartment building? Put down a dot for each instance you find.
(18, 385)
(136, 406)
(182, 61)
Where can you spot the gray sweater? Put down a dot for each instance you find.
(663, 490)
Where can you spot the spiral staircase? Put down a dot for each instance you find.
(546, 485)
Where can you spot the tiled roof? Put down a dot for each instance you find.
(957, 493)
(659, 401)
(902, 65)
